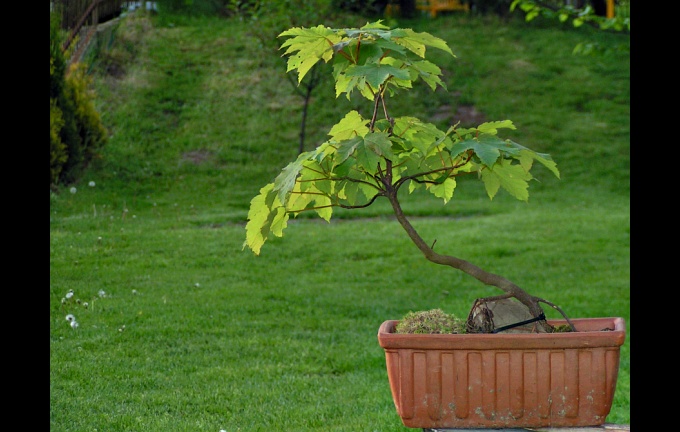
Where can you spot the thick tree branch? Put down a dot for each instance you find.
(465, 266)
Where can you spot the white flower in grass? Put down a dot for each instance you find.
(197, 285)
(134, 292)
(74, 324)
(69, 294)
(91, 184)
(102, 293)
(85, 305)
(73, 190)
(70, 318)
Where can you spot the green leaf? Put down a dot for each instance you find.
(314, 41)
(380, 144)
(376, 74)
(350, 126)
(547, 161)
(416, 42)
(368, 190)
(284, 182)
(526, 157)
(311, 197)
(302, 64)
(487, 155)
(324, 209)
(494, 146)
(266, 215)
(343, 167)
(418, 134)
(325, 186)
(346, 148)
(491, 183)
(375, 25)
(488, 148)
(279, 222)
(429, 72)
(492, 127)
(366, 157)
(392, 47)
(311, 44)
(512, 178)
(444, 190)
(346, 84)
(351, 192)
(370, 52)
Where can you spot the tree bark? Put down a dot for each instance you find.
(481, 275)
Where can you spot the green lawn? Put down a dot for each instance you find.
(184, 330)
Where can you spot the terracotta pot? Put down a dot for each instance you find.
(505, 380)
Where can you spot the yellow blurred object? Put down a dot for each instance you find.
(434, 6)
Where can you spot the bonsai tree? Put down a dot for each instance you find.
(375, 156)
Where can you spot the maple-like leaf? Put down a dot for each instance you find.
(285, 181)
(352, 125)
(346, 148)
(311, 44)
(367, 158)
(444, 189)
(416, 42)
(311, 198)
(376, 75)
(418, 134)
(266, 215)
(489, 148)
(513, 178)
(380, 144)
(527, 156)
(429, 72)
(491, 128)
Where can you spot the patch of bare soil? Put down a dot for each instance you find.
(467, 115)
(197, 157)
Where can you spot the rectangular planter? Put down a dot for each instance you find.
(505, 380)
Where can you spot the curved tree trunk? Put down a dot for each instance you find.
(483, 276)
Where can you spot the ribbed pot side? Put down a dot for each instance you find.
(505, 380)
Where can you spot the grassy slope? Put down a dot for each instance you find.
(196, 334)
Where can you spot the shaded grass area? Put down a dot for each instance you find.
(194, 334)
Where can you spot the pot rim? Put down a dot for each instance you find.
(591, 332)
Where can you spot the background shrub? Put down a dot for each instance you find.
(76, 130)
(58, 154)
(90, 132)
